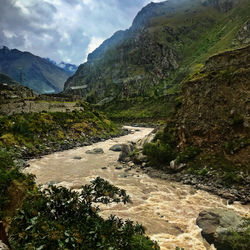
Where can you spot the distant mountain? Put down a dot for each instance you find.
(68, 67)
(32, 71)
(166, 42)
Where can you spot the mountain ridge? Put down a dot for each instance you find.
(32, 71)
(156, 56)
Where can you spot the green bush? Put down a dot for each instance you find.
(231, 177)
(9, 175)
(57, 218)
(187, 154)
(159, 153)
(237, 240)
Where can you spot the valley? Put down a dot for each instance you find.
(145, 145)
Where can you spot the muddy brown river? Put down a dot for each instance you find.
(168, 210)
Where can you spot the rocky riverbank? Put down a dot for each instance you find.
(167, 209)
(208, 181)
(23, 154)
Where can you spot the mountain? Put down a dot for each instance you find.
(32, 71)
(11, 90)
(165, 43)
(68, 67)
(210, 130)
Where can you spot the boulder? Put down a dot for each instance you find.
(116, 148)
(140, 158)
(126, 150)
(216, 225)
(176, 167)
(77, 157)
(95, 151)
(118, 167)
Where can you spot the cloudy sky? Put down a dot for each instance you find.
(63, 29)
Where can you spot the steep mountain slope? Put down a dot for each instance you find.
(32, 71)
(210, 131)
(165, 42)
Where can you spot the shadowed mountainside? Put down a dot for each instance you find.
(32, 71)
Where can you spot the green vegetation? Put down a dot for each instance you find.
(140, 109)
(232, 147)
(13, 185)
(159, 154)
(57, 218)
(239, 240)
(35, 132)
(154, 66)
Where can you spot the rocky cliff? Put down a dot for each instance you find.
(165, 42)
(214, 114)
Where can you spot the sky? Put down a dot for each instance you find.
(64, 30)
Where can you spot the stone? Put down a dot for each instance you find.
(216, 224)
(95, 151)
(77, 157)
(125, 152)
(140, 158)
(116, 148)
(176, 167)
(123, 175)
(118, 167)
(131, 164)
(104, 167)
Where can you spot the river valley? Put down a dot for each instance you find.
(168, 210)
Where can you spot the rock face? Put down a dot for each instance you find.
(243, 35)
(216, 224)
(155, 53)
(32, 71)
(215, 107)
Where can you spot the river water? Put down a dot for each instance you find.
(168, 210)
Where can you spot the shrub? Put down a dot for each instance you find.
(57, 218)
(9, 176)
(238, 240)
(188, 154)
(159, 153)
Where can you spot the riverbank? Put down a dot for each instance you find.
(208, 183)
(167, 209)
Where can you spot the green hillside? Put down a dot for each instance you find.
(166, 42)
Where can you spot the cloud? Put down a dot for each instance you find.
(94, 43)
(63, 30)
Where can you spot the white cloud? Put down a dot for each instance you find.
(94, 43)
(64, 30)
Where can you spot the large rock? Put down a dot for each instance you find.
(216, 225)
(126, 150)
(174, 166)
(95, 151)
(116, 148)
